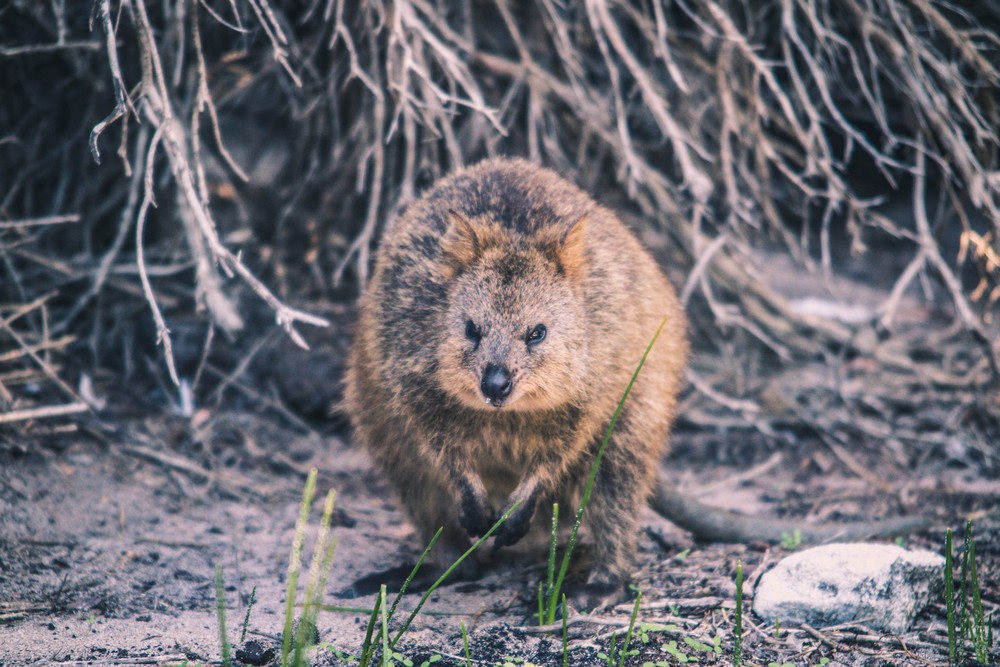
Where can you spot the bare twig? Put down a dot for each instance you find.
(39, 222)
(156, 107)
(30, 49)
(162, 332)
(43, 412)
(123, 106)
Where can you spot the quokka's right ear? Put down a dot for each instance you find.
(460, 245)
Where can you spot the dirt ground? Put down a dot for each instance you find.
(110, 534)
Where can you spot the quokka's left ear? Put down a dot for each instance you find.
(568, 249)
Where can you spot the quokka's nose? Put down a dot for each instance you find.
(496, 383)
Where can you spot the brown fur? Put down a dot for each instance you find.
(506, 246)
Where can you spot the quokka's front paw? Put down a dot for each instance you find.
(603, 588)
(475, 514)
(516, 526)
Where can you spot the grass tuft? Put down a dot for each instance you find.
(294, 565)
(791, 541)
(618, 651)
(440, 580)
(970, 621)
(220, 608)
(977, 624)
(319, 570)
(380, 612)
(298, 639)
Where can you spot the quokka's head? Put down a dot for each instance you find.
(515, 330)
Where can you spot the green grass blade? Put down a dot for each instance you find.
(545, 591)
(447, 572)
(978, 630)
(553, 538)
(385, 628)
(565, 648)
(413, 572)
(246, 619)
(319, 570)
(631, 627)
(541, 601)
(965, 580)
(368, 610)
(220, 609)
(324, 575)
(347, 610)
(949, 596)
(465, 646)
(367, 648)
(294, 565)
(738, 629)
(553, 596)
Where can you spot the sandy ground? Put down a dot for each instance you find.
(109, 542)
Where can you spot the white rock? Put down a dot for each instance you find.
(879, 585)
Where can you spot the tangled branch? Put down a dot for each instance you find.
(182, 150)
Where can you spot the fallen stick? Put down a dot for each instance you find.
(42, 413)
(39, 222)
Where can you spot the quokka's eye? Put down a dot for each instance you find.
(472, 332)
(536, 335)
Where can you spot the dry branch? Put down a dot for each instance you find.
(156, 107)
(43, 412)
(38, 222)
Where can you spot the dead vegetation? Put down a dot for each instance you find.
(208, 156)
